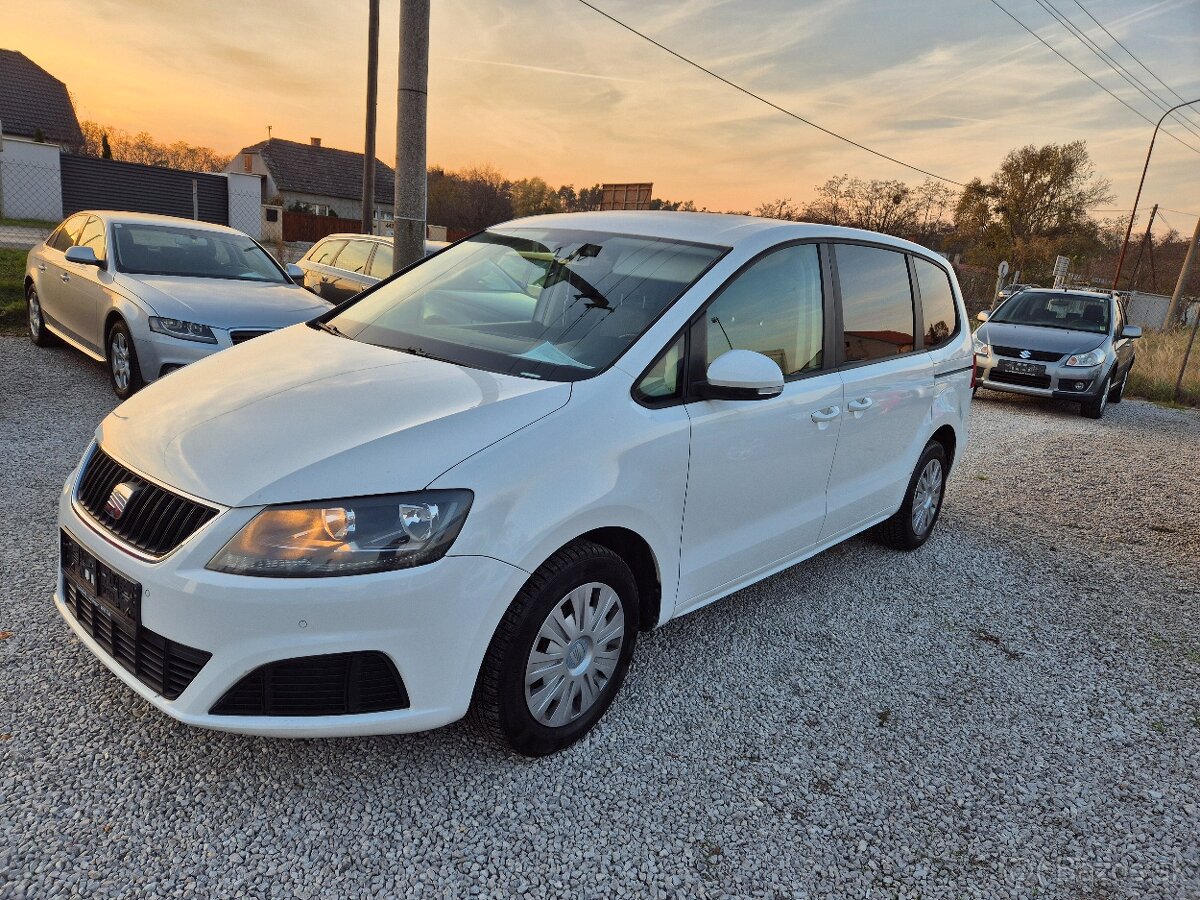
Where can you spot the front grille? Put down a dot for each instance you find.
(1036, 355)
(1033, 381)
(240, 337)
(159, 663)
(336, 684)
(154, 520)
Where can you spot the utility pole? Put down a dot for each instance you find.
(1137, 263)
(368, 190)
(412, 97)
(1179, 285)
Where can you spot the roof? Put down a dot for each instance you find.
(710, 228)
(325, 171)
(137, 218)
(32, 98)
(1099, 295)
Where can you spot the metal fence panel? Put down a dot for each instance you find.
(90, 183)
(30, 205)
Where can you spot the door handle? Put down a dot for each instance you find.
(860, 405)
(65, 277)
(42, 267)
(828, 414)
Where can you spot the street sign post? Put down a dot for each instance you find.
(1061, 266)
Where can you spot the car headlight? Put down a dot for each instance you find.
(1091, 358)
(187, 331)
(980, 348)
(346, 537)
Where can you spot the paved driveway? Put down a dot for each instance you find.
(1014, 707)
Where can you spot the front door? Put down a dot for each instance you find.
(759, 468)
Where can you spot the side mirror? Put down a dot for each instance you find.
(983, 316)
(295, 273)
(742, 375)
(84, 256)
(1131, 331)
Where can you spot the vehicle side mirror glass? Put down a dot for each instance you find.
(983, 316)
(1131, 331)
(84, 256)
(742, 375)
(295, 273)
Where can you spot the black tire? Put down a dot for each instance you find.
(118, 337)
(1117, 393)
(1093, 407)
(500, 707)
(38, 332)
(899, 532)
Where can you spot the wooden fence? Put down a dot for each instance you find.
(299, 226)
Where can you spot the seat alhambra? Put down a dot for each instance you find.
(469, 488)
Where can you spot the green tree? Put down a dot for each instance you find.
(533, 197)
(1034, 207)
(105, 147)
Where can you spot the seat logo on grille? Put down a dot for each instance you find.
(119, 499)
(1025, 354)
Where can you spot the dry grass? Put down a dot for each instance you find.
(1159, 354)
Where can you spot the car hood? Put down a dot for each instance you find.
(304, 415)
(223, 302)
(1033, 337)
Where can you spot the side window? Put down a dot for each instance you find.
(937, 302)
(68, 233)
(775, 308)
(664, 379)
(877, 305)
(92, 236)
(381, 262)
(325, 253)
(354, 257)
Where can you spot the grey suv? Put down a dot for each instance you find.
(1073, 345)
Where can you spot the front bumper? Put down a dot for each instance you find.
(1060, 381)
(434, 622)
(160, 354)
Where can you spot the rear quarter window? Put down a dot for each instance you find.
(938, 309)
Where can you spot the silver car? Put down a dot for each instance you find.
(1073, 345)
(148, 294)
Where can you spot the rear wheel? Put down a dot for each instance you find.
(913, 522)
(123, 369)
(560, 653)
(1093, 407)
(38, 332)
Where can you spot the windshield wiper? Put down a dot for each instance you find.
(328, 328)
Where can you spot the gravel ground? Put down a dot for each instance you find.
(1014, 709)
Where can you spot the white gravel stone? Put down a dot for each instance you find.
(1013, 708)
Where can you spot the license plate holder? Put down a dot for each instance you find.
(110, 593)
(1021, 367)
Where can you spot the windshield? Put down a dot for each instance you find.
(191, 253)
(536, 302)
(1072, 312)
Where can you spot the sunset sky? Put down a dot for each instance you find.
(549, 88)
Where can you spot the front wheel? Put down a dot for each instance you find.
(913, 522)
(1093, 407)
(560, 653)
(1117, 393)
(123, 369)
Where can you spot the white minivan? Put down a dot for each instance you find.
(472, 485)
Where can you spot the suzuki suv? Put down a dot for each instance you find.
(472, 486)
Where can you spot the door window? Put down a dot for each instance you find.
(937, 302)
(774, 307)
(877, 305)
(326, 252)
(68, 233)
(92, 236)
(354, 257)
(381, 262)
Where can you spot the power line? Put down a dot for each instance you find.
(775, 106)
(1101, 54)
(1132, 55)
(1051, 48)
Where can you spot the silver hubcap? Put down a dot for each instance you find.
(926, 497)
(118, 354)
(35, 314)
(575, 654)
